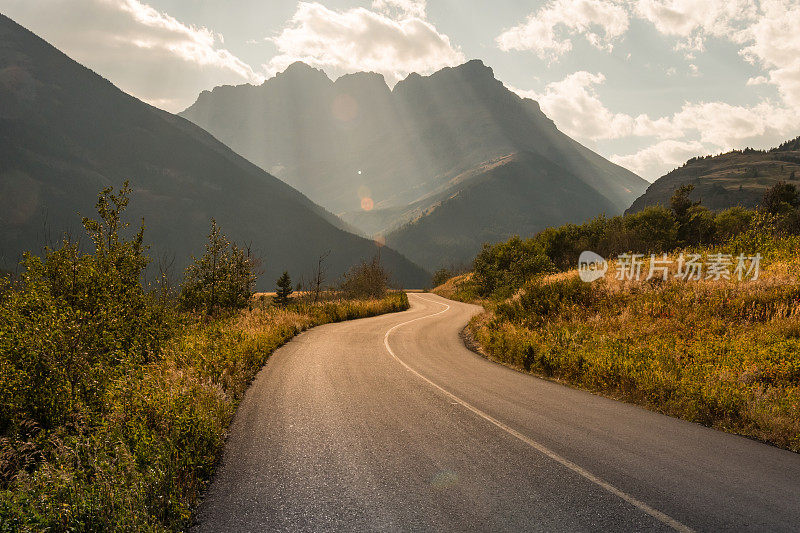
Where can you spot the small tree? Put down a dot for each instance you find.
(366, 280)
(441, 276)
(223, 278)
(283, 290)
(680, 201)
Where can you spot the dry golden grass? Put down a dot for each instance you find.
(722, 353)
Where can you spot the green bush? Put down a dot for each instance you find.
(539, 301)
(76, 321)
(505, 266)
(732, 222)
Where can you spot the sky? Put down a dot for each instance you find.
(645, 83)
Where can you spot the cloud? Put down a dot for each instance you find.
(577, 110)
(360, 39)
(695, 22)
(546, 32)
(414, 8)
(729, 126)
(143, 51)
(575, 107)
(774, 43)
(765, 32)
(658, 158)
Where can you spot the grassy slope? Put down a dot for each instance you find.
(724, 354)
(144, 468)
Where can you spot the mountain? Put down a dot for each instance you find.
(381, 158)
(65, 133)
(495, 205)
(739, 177)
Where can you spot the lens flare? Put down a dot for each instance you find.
(367, 204)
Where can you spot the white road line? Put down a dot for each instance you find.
(658, 515)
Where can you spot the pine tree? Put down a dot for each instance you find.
(283, 290)
(222, 278)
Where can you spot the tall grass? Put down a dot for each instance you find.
(142, 465)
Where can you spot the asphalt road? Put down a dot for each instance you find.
(391, 424)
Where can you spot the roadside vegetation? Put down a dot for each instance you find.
(115, 394)
(721, 352)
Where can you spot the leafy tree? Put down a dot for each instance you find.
(732, 222)
(680, 201)
(283, 290)
(441, 276)
(781, 198)
(699, 227)
(222, 278)
(366, 280)
(682, 206)
(506, 266)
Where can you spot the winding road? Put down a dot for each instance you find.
(391, 424)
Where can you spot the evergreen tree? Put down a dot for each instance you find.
(222, 278)
(283, 290)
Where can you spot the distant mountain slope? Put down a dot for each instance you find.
(521, 195)
(726, 180)
(65, 132)
(407, 148)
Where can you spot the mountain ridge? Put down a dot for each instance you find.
(380, 157)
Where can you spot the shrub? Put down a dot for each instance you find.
(365, 280)
(503, 267)
(781, 198)
(441, 276)
(540, 300)
(221, 279)
(76, 321)
(732, 222)
(698, 227)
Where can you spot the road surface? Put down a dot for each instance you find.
(391, 424)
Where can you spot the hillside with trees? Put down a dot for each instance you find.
(736, 178)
